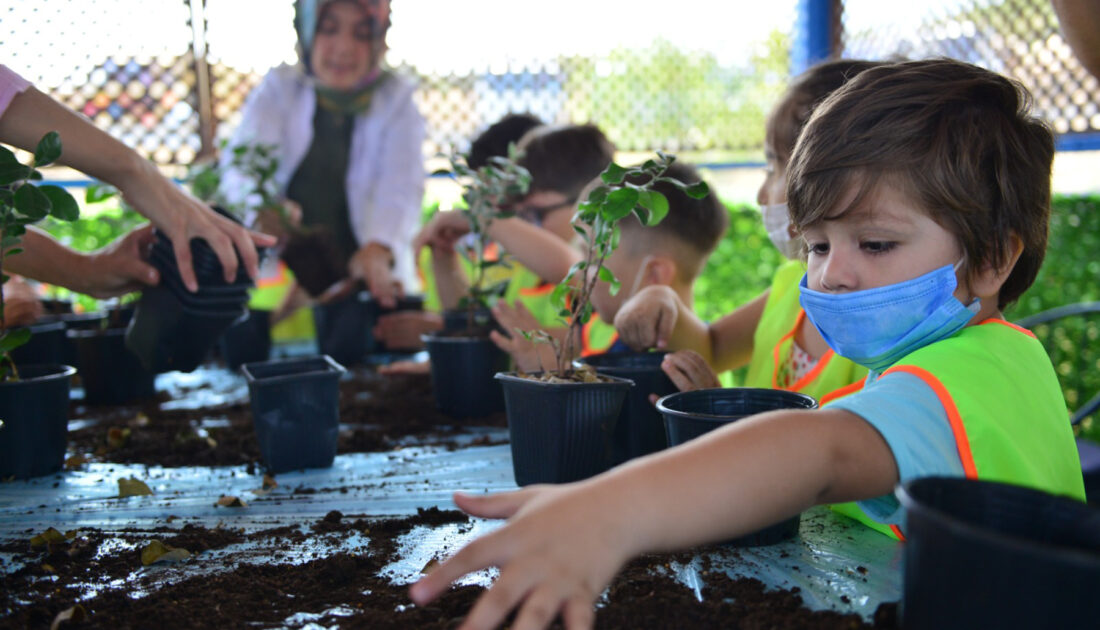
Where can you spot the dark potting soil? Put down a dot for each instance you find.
(315, 258)
(377, 413)
(343, 589)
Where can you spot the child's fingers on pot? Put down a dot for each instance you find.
(695, 368)
(681, 379)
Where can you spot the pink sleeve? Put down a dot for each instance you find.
(10, 85)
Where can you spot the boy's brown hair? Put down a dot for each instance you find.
(959, 140)
(804, 94)
(695, 226)
(564, 159)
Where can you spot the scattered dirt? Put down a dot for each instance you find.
(344, 589)
(378, 413)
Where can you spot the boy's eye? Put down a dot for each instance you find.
(878, 247)
(817, 248)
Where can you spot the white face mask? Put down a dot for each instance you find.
(777, 221)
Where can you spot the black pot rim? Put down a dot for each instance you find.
(438, 338)
(616, 369)
(958, 526)
(57, 370)
(332, 366)
(95, 333)
(664, 409)
(44, 327)
(513, 377)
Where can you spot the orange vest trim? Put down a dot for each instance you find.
(278, 279)
(1010, 325)
(897, 532)
(807, 378)
(542, 289)
(962, 442)
(492, 252)
(842, 392)
(586, 340)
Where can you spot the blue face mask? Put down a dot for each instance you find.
(877, 327)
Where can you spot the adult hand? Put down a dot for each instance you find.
(182, 217)
(121, 267)
(689, 371)
(277, 222)
(21, 305)
(442, 231)
(558, 551)
(527, 355)
(403, 328)
(373, 264)
(648, 318)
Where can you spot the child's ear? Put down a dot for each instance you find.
(660, 271)
(987, 281)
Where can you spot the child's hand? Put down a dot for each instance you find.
(559, 549)
(527, 355)
(403, 328)
(442, 231)
(648, 318)
(405, 367)
(22, 307)
(689, 371)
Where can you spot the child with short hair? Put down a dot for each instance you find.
(770, 333)
(922, 190)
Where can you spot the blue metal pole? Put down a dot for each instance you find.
(812, 41)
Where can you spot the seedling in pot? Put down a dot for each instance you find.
(622, 191)
(486, 191)
(22, 203)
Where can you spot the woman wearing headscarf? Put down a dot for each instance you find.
(348, 138)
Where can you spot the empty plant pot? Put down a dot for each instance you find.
(46, 345)
(561, 432)
(981, 554)
(111, 374)
(691, 414)
(295, 411)
(76, 321)
(345, 328)
(34, 412)
(463, 370)
(167, 335)
(247, 341)
(640, 429)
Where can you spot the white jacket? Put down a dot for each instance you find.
(385, 178)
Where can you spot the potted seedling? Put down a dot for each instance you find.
(463, 358)
(562, 420)
(34, 399)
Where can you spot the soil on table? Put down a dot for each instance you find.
(377, 413)
(341, 589)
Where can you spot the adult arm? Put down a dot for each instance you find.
(1080, 22)
(90, 150)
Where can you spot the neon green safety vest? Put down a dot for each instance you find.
(1005, 407)
(597, 336)
(832, 377)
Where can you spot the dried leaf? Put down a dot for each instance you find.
(140, 420)
(48, 568)
(431, 566)
(76, 614)
(156, 551)
(270, 483)
(227, 501)
(117, 437)
(211, 442)
(76, 461)
(51, 535)
(130, 487)
(71, 534)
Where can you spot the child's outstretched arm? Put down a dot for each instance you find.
(656, 317)
(563, 544)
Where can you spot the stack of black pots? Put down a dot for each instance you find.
(173, 328)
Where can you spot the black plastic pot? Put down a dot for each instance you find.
(111, 374)
(47, 345)
(76, 321)
(640, 429)
(295, 411)
(981, 554)
(691, 414)
(247, 341)
(35, 415)
(458, 319)
(463, 370)
(345, 328)
(167, 335)
(561, 432)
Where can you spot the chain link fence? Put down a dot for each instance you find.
(169, 77)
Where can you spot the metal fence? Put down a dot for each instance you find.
(169, 77)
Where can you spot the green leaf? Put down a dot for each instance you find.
(13, 172)
(31, 202)
(613, 174)
(656, 203)
(619, 203)
(598, 194)
(62, 205)
(608, 277)
(12, 339)
(99, 192)
(13, 251)
(7, 156)
(557, 298)
(698, 190)
(48, 149)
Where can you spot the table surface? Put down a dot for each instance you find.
(837, 563)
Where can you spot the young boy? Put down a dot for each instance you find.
(671, 254)
(922, 190)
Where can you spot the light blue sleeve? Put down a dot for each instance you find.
(914, 424)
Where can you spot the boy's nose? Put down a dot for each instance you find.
(838, 274)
